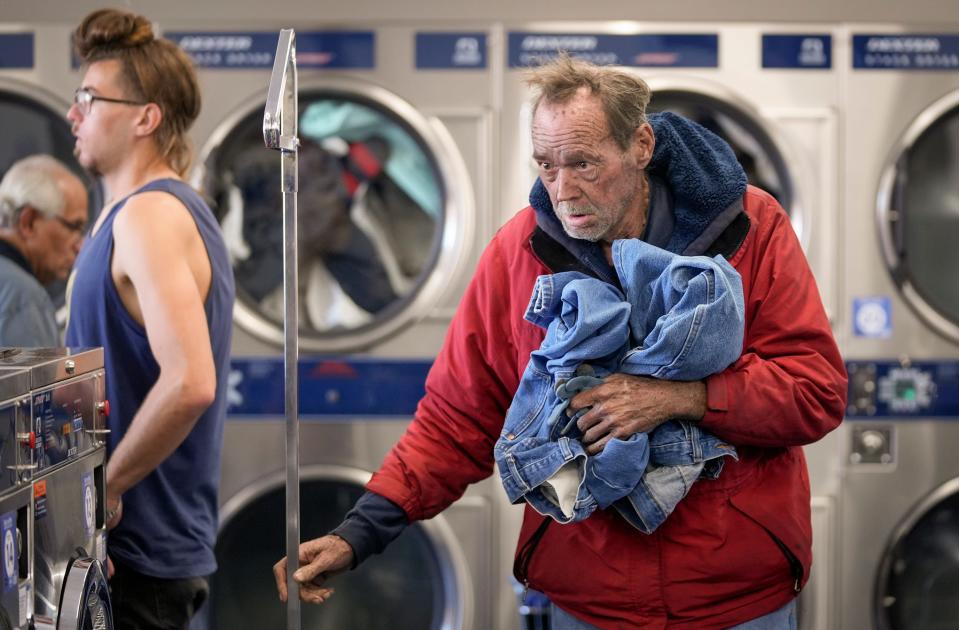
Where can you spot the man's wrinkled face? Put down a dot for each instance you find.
(54, 241)
(597, 189)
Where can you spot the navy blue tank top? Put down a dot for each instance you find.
(169, 523)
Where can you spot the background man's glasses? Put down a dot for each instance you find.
(79, 226)
(84, 99)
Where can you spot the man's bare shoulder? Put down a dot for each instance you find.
(155, 218)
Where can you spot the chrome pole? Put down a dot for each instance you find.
(279, 133)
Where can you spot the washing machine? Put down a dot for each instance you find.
(36, 85)
(773, 92)
(395, 187)
(16, 499)
(66, 480)
(901, 328)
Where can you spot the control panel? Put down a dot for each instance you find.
(903, 389)
(67, 420)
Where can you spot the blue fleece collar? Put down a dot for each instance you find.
(701, 172)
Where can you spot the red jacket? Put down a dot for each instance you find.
(732, 549)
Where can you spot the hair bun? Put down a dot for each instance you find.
(110, 29)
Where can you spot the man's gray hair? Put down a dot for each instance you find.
(624, 96)
(32, 181)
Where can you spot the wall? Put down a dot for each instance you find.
(282, 12)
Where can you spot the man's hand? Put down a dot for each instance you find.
(320, 559)
(624, 405)
(114, 511)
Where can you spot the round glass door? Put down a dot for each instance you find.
(755, 149)
(917, 587)
(32, 124)
(373, 204)
(409, 586)
(918, 207)
(85, 602)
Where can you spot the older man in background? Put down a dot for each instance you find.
(43, 215)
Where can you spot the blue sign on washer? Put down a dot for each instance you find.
(872, 317)
(450, 50)
(803, 52)
(678, 50)
(329, 386)
(905, 52)
(8, 538)
(317, 49)
(16, 50)
(89, 503)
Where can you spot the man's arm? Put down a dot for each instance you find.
(789, 386)
(372, 524)
(449, 444)
(153, 235)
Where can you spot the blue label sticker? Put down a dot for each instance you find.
(56, 441)
(8, 531)
(39, 499)
(16, 50)
(328, 387)
(315, 49)
(872, 317)
(905, 52)
(450, 50)
(801, 52)
(89, 502)
(677, 50)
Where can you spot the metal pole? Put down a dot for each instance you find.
(279, 133)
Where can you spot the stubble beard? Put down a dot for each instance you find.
(601, 226)
(89, 164)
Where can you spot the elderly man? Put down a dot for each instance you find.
(43, 215)
(736, 550)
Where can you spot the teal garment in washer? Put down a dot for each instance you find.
(407, 164)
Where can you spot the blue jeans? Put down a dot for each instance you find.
(782, 619)
(686, 315)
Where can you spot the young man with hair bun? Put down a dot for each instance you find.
(154, 286)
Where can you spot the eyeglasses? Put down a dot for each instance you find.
(79, 226)
(83, 98)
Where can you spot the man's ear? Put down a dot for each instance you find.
(27, 221)
(149, 120)
(644, 141)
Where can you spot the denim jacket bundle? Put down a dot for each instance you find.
(686, 313)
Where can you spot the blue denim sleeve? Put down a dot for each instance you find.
(372, 524)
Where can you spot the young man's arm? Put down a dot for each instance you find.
(154, 238)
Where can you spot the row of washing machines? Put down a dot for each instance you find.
(52, 509)
(416, 150)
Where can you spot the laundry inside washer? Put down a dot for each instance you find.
(369, 214)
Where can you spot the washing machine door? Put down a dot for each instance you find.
(32, 122)
(419, 583)
(918, 216)
(753, 142)
(384, 215)
(85, 602)
(917, 585)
